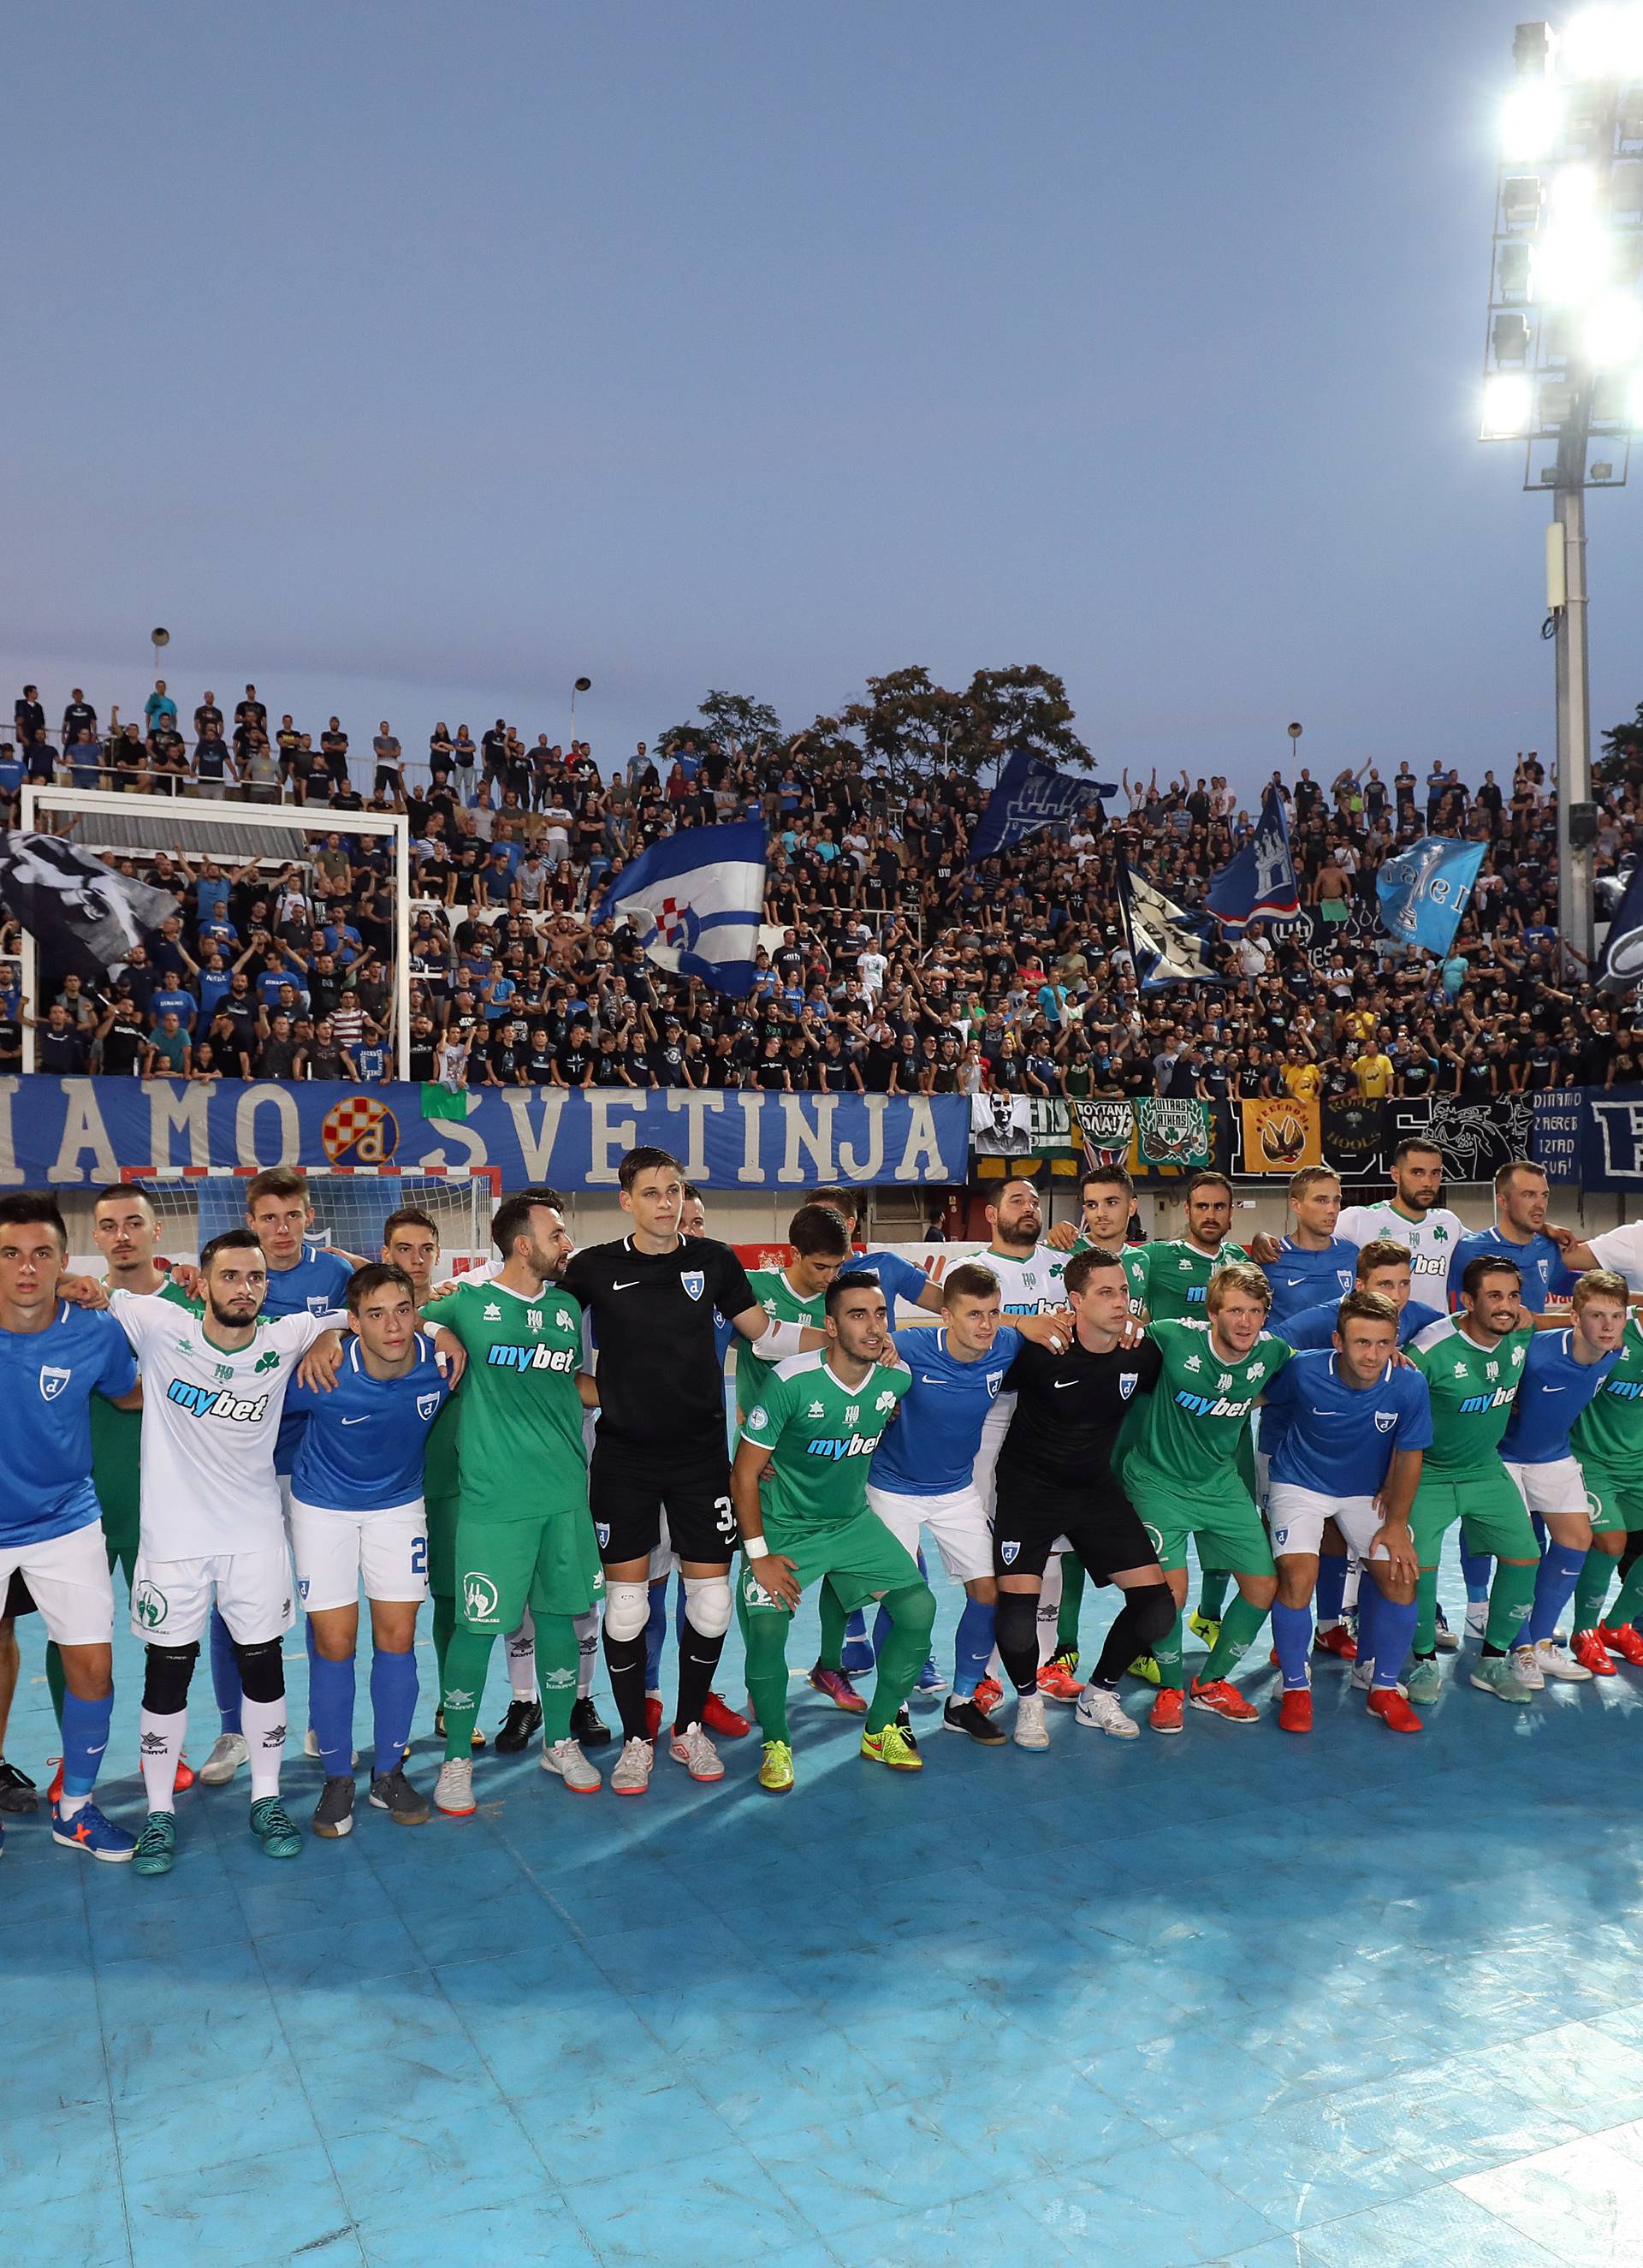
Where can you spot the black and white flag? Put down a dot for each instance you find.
(84, 916)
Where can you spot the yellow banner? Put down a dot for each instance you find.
(1280, 1135)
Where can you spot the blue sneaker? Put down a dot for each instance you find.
(857, 1657)
(89, 1831)
(930, 1679)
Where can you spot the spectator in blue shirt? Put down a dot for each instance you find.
(160, 708)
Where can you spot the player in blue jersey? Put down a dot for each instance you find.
(53, 1358)
(1518, 1235)
(301, 1281)
(356, 1513)
(1563, 1371)
(1313, 1265)
(1355, 1425)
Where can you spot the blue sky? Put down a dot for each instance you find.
(415, 360)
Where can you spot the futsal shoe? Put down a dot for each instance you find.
(719, 1716)
(960, 1715)
(17, 1792)
(653, 1717)
(1393, 1711)
(1103, 1712)
(1623, 1639)
(271, 1824)
(1207, 1627)
(1492, 1672)
(892, 1748)
(989, 1693)
(588, 1728)
(89, 1831)
(454, 1790)
(156, 1851)
(1560, 1662)
(1168, 1712)
(1056, 1682)
(477, 1741)
(857, 1657)
(1031, 1731)
(930, 1679)
(1145, 1667)
(695, 1752)
(520, 1728)
(775, 1770)
(837, 1685)
(1294, 1710)
(1590, 1652)
(1425, 1681)
(1337, 1641)
(1446, 1641)
(1220, 1700)
(228, 1753)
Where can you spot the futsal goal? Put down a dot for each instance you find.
(350, 1203)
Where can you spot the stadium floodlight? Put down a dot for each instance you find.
(1567, 378)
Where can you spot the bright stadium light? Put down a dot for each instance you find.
(1562, 351)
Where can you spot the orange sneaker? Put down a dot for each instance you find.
(1223, 1700)
(1388, 1704)
(1168, 1711)
(653, 1718)
(1294, 1710)
(186, 1775)
(989, 1693)
(1590, 1652)
(1337, 1641)
(719, 1716)
(1056, 1682)
(1623, 1640)
(54, 1793)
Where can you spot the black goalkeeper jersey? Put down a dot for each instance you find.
(661, 1379)
(1068, 1409)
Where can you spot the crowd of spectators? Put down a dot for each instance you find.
(894, 965)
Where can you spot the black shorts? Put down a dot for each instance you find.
(627, 1496)
(1106, 1534)
(19, 1600)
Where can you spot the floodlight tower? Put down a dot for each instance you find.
(1563, 363)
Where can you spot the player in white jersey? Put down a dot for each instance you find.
(1412, 1216)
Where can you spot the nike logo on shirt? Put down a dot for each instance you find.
(924, 1378)
(627, 1286)
(356, 1421)
(1061, 1382)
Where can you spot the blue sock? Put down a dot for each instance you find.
(1394, 1630)
(224, 1674)
(1291, 1634)
(972, 1647)
(1540, 1528)
(1554, 1587)
(1330, 1593)
(331, 1708)
(84, 1737)
(655, 1631)
(1478, 1568)
(393, 1706)
(856, 1623)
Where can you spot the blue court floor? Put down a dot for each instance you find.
(1232, 1998)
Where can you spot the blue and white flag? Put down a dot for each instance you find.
(1167, 944)
(1423, 890)
(1030, 796)
(696, 900)
(1621, 969)
(1260, 883)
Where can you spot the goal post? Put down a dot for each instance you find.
(350, 1203)
(233, 834)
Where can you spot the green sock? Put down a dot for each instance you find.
(444, 1623)
(764, 1636)
(1241, 1627)
(53, 1680)
(467, 1659)
(1511, 1601)
(1426, 1612)
(1213, 1588)
(906, 1648)
(1592, 1589)
(1166, 1654)
(558, 1657)
(1073, 1582)
(830, 1653)
(1629, 1605)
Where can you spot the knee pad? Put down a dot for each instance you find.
(1152, 1613)
(707, 1604)
(165, 1678)
(1015, 1623)
(261, 1670)
(627, 1611)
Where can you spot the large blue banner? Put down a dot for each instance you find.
(1612, 1139)
(77, 1133)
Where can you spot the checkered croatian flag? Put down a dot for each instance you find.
(696, 900)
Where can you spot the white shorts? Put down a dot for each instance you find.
(68, 1576)
(664, 1559)
(336, 1550)
(1557, 1487)
(171, 1599)
(1296, 1517)
(957, 1523)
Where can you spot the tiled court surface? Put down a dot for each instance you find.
(1234, 1997)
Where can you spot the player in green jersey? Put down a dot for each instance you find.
(1608, 1441)
(807, 1441)
(1180, 1467)
(1173, 1279)
(523, 1534)
(794, 1294)
(1473, 1362)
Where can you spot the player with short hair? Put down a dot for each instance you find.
(1354, 1425)
(1058, 1492)
(1608, 1441)
(356, 1513)
(1562, 1373)
(54, 1359)
(523, 1536)
(805, 1447)
(1473, 1362)
(1313, 1263)
(1412, 1216)
(1181, 1471)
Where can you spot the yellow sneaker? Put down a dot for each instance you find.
(776, 1773)
(892, 1747)
(1146, 1665)
(1208, 1627)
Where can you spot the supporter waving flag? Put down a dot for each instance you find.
(85, 918)
(1167, 944)
(1259, 885)
(696, 900)
(1423, 891)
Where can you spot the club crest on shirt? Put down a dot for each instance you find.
(1384, 1420)
(995, 1380)
(53, 1379)
(693, 1282)
(426, 1405)
(317, 1303)
(601, 1529)
(1128, 1380)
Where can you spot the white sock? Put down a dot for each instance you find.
(1049, 1610)
(587, 1652)
(160, 1741)
(522, 1659)
(264, 1723)
(69, 1806)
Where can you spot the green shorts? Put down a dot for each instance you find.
(1230, 1532)
(1493, 1515)
(442, 1545)
(505, 1565)
(860, 1559)
(1615, 1500)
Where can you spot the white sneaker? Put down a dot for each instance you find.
(228, 1753)
(1476, 1618)
(1526, 1667)
(573, 1768)
(1556, 1660)
(311, 1748)
(1031, 1731)
(632, 1775)
(1105, 1713)
(693, 1748)
(1362, 1679)
(454, 1790)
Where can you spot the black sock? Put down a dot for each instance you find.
(624, 1659)
(1015, 1634)
(698, 1659)
(1146, 1615)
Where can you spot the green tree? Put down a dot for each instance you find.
(1620, 741)
(725, 720)
(909, 723)
(1022, 707)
